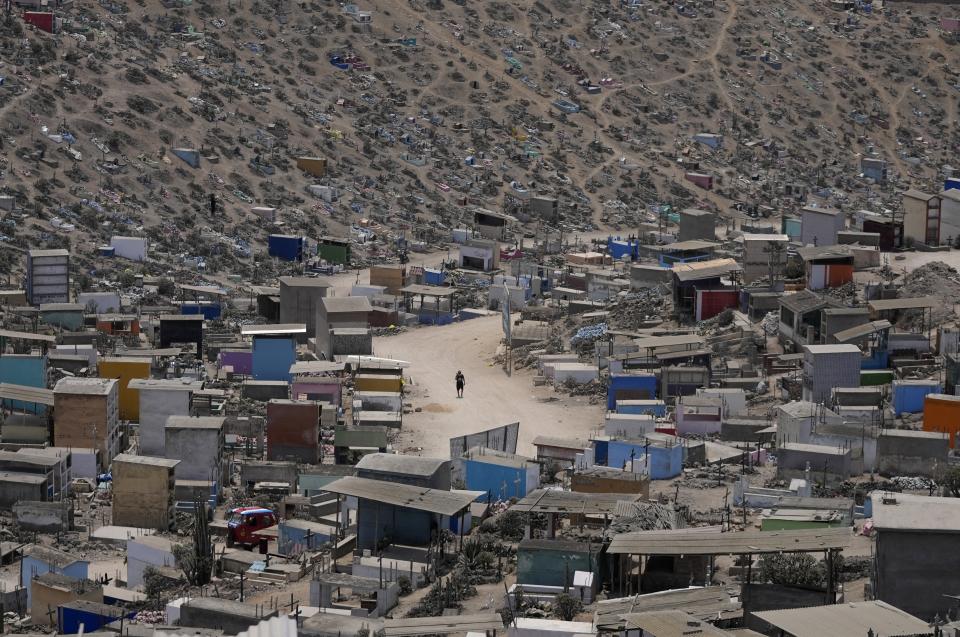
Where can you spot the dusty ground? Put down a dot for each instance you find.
(491, 397)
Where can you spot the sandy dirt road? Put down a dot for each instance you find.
(491, 397)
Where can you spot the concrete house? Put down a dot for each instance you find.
(915, 546)
(800, 317)
(829, 366)
(401, 513)
(197, 442)
(38, 560)
(921, 218)
(160, 399)
(143, 491)
(433, 473)
(87, 414)
(133, 248)
(51, 589)
(299, 299)
(949, 216)
(498, 474)
(274, 349)
(336, 313)
(819, 226)
(48, 276)
(697, 224)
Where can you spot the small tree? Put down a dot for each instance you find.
(566, 607)
(951, 482)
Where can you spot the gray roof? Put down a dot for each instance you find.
(86, 386)
(846, 620)
(802, 301)
(670, 623)
(195, 422)
(305, 282)
(279, 329)
(703, 603)
(904, 512)
(50, 556)
(838, 348)
(396, 463)
(225, 606)
(881, 305)
(570, 503)
(401, 495)
(166, 384)
(147, 460)
(824, 211)
(710, 541)
(49, 253)
(824, 450)
(861, 331)
(337, 304)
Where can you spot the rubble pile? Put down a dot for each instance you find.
(935, 279)
(639, 309)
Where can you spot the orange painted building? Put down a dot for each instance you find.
(118, 324)
(941, 413)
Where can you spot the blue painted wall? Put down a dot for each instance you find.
(665, 462)
(291, 538)
(632, 386)
(285, 248)
(502, 483)
(272, 357)
(72, 618)
(434, 277)
(656, 408)
(619, 248)
(30, 371)
(32, 566)
(209, 311)
(66, 319)
(909, 398)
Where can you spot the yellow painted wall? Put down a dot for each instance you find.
(377, 383)
(125, 370)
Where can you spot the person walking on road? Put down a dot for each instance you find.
(461, 381)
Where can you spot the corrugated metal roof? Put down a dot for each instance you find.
(881, 305)
(670, 623)
(397, 463)
(692, 542)
(701, 603)
(552, 501)
(844, 620)
(270, 330)
(316, 367)
(705, 269)
(26, 394)
(428, 290)
(27, 336)
(860, 331)
(401, 495)
(412, 627)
